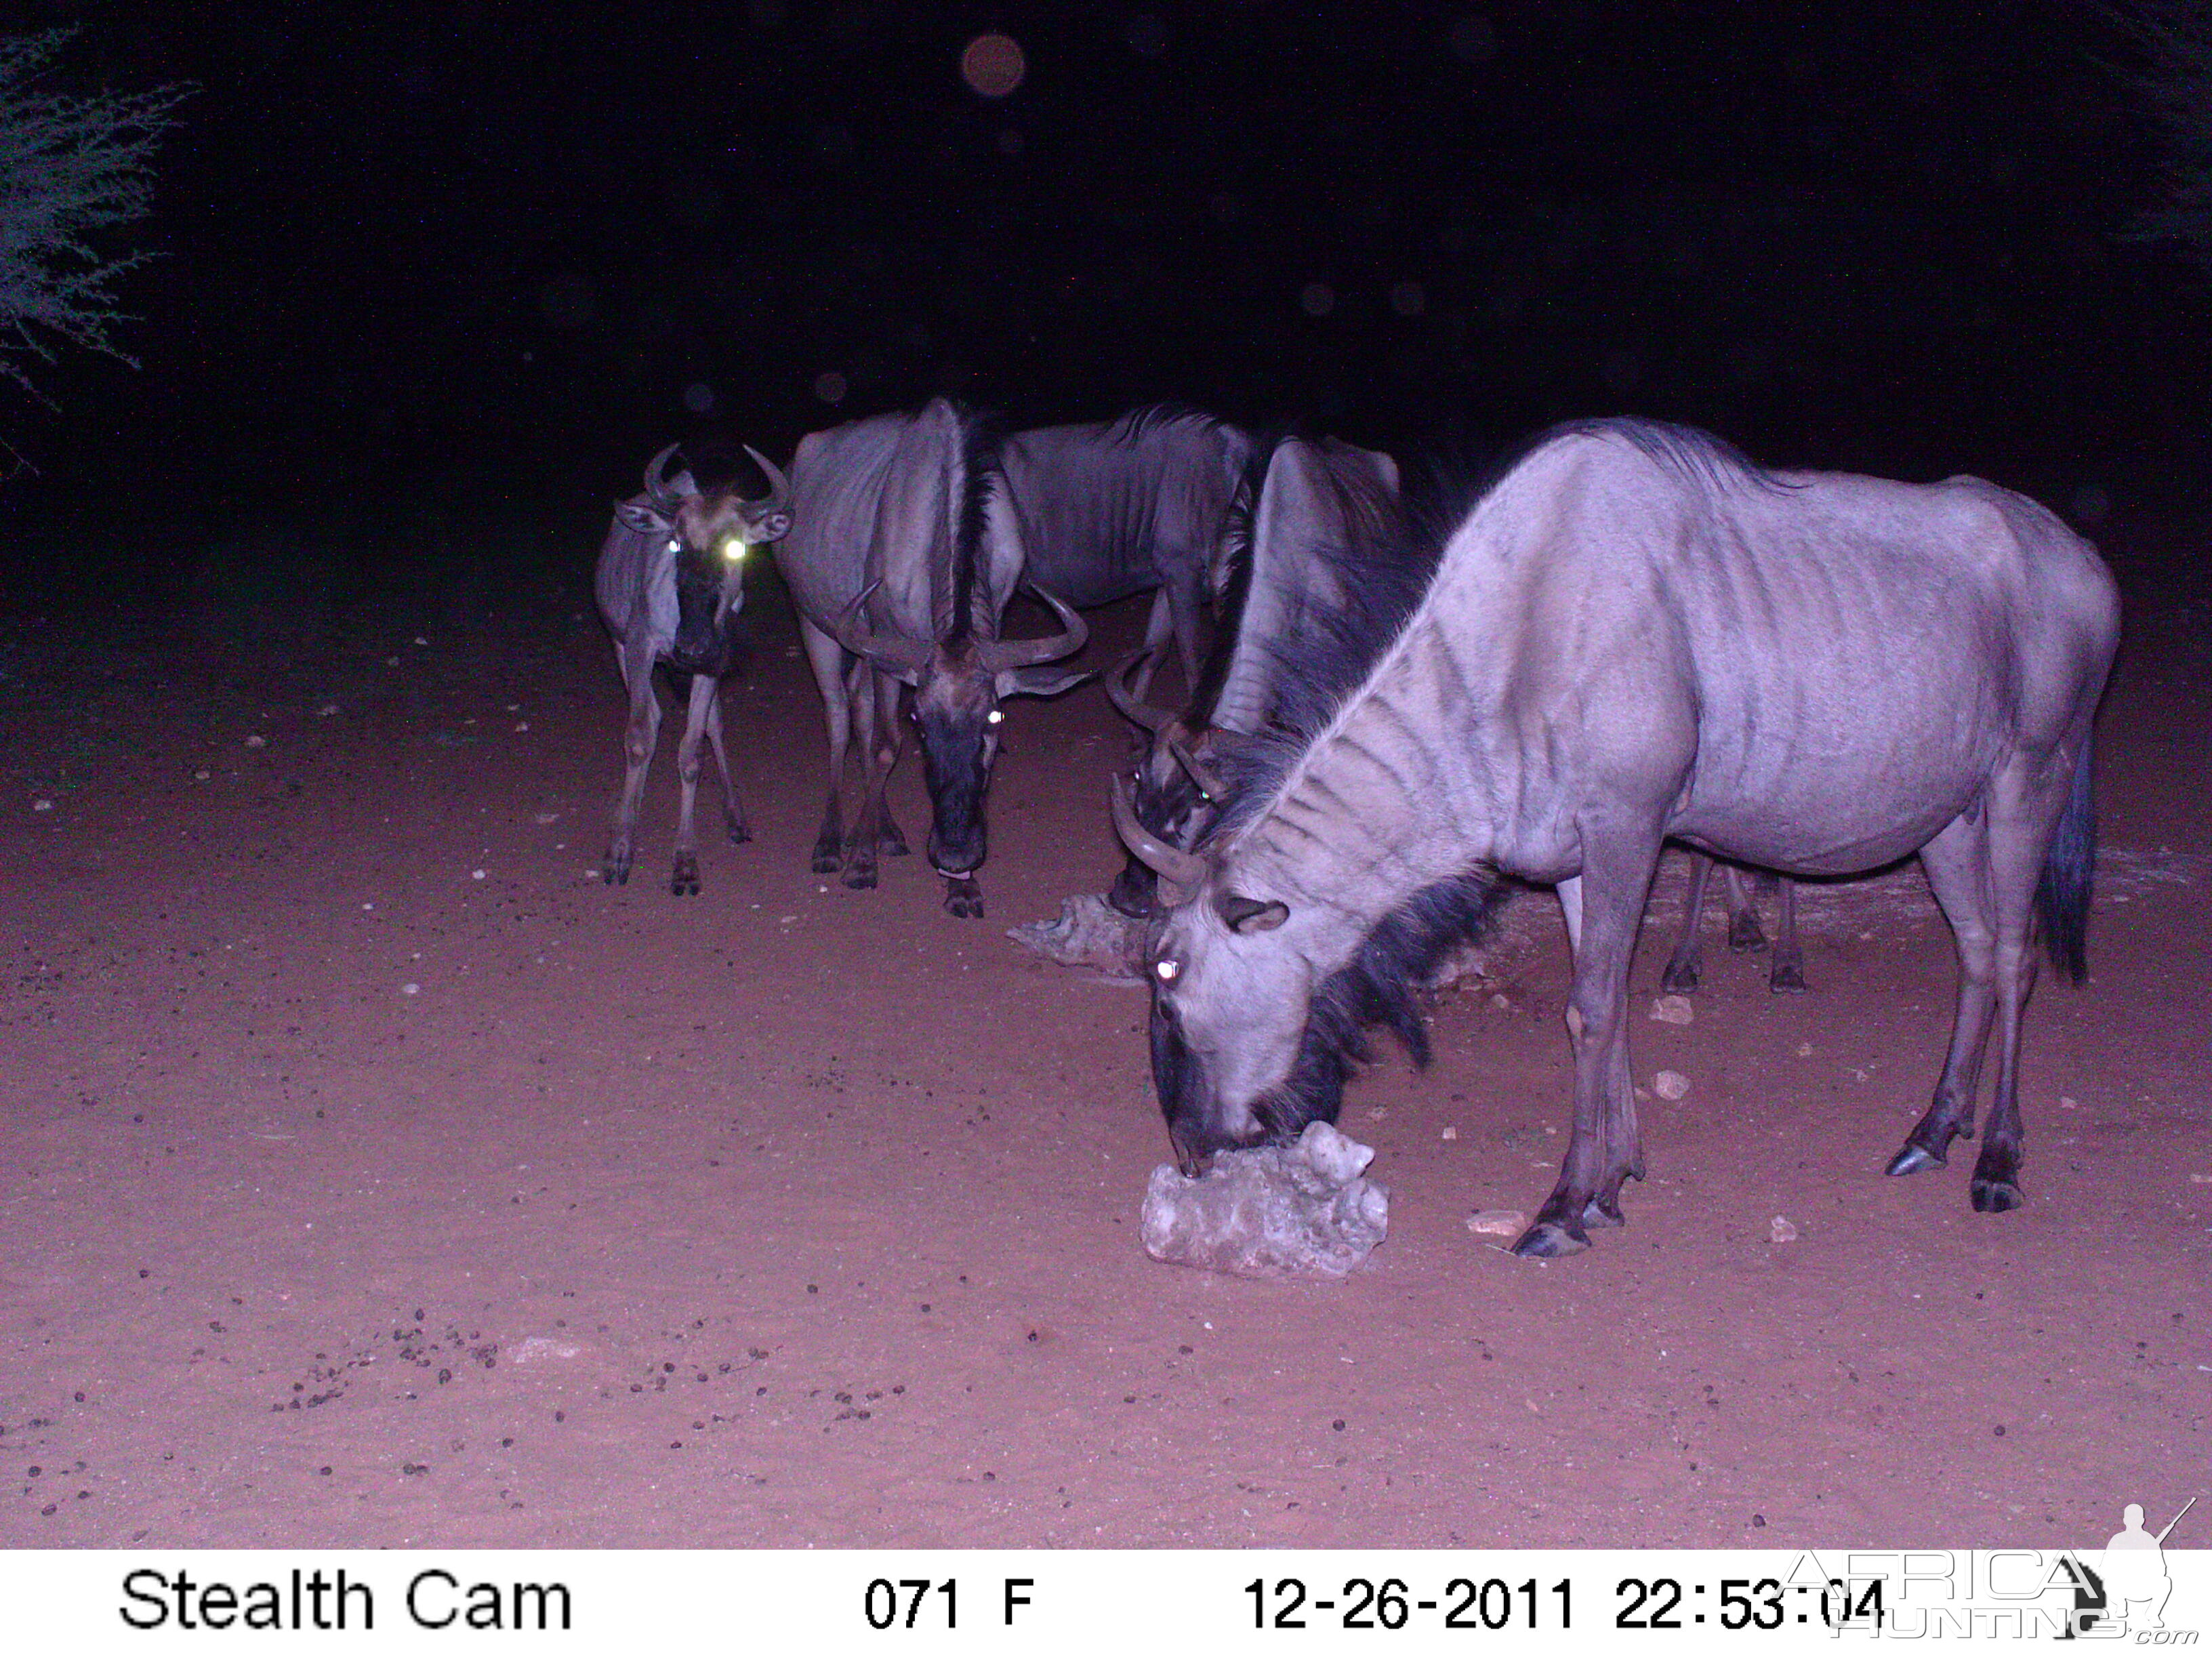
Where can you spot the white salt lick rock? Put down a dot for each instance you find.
(1302, 1210)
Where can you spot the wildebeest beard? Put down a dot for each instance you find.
(701, 645)
(1381, 984)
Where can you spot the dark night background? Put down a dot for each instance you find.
(436, 280)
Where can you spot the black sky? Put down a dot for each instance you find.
(406, 248)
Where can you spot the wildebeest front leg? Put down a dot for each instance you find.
(1957, 862)
(684, 879)
(1604, 908)
(868, 830)
(1744, 931)
(734, 812)
(889, 739)
(828, 659)
(639, 738)
(1682, 967)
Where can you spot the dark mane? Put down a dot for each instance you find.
(1691, 454)
(1132, 424)
(983, 479)
(1382, 985)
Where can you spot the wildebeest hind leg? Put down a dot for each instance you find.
(1787, 975)
(867, 831)
(1958, 865)
(1744, 931)
(827, 658)
(1681, 972)
(891, 737)
(2020, 832)
(733, 812)
(639, 737)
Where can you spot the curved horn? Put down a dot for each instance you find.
(998, 654)
(779, 487)
(1154, 721)
(897, 653)
(1207, 780)
(1186, 870)
(657, 486)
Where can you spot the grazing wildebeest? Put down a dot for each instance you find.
(1110, 508)
(1636, 633)
(670, 581)
(904, 554)
(1316, 544)
(1787, 972)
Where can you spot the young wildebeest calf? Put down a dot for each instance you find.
(670, 580)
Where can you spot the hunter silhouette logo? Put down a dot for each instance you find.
(2135, 1582)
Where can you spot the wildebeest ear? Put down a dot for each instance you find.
(1251, 916)
(637, 515)
(1039, 682)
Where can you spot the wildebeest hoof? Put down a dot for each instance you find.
(615, 872)
(1548, 1240)
(827, 858)
(739, 833)
(684, 881)
(1744, 934)
(963, 896)
(1994, 1197)
(1787, 980)
(895, 843)
(1680, 977)
(860, 872)
(1598, 1213)
(1913, 1158)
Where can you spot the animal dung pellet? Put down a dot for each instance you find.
(1670, 1085)
(1305, 1209)
(1498, 1223)
(1782, 1231)
(1673, 1010)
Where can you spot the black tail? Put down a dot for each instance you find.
(2062, 897)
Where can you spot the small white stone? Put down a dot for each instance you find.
(1670, 1085)
(1782, 1231)
(1804, 1051)
(476, 875)
(202, 775)
(2200, 1178)
(522, 725)
(1377, 1113)
(42, 806)
(392, 662)
(328, 708)
(1673, 1010)
(419, 639)
(1450, 1133)
(549, 818)
(1501, 1224)
(1498, 999)
(257, 741)
(2068, 1103)
(410, 989)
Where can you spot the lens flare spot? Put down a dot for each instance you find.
(1167, 969)
(993, 66)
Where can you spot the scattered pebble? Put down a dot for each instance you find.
(522, 725)
(2068, 1103)
(42, 806)
(1673, 1010)
(1377, 1113)
(419, 639)
(2200, 1178)
(1670, 1085)
(1450, 1133)
(1804, 1051)
(410, 989)
(1782, 1231)
(1498, 999)
(536, 1350)
(202, 775)
(392, 662)
(328, 708)
(476, 875)
(549, 818)
(257, 741)
(1502, 1223)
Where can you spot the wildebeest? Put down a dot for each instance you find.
(670, 581)
(1636, 634)
(1787, 971)
(1315, 544)
(904, 554)
(1110, 508)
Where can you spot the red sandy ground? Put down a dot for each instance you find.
(786, 1216)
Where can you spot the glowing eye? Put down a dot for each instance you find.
(733, 548)
(1167, 969)
(996, 715)
(674, 545)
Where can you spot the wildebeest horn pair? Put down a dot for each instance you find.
(665, 495)
(900, 656)
(1167, 729)
(1181, 873)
